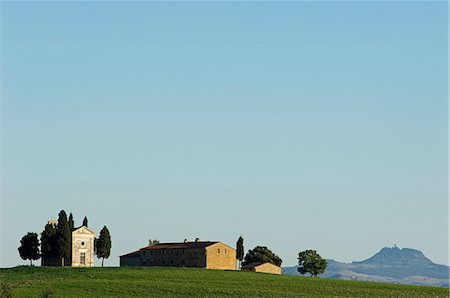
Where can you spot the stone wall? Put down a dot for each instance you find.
(130, 261)
(174, 257)
(268, 268)
(220, 256)
(82, 243)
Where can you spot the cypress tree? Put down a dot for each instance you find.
(71, 222)
(49, 242)
(240, 251)
(103, 244)
(85, 222)
(71, 227)
(64, 236)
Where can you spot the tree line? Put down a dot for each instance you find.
(56, 241)
(309, 261)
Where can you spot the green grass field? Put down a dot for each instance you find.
(173, 282)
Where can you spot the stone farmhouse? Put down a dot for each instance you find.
(198, 254)
(262, 267)
(82, 249)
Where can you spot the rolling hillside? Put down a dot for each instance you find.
(181, 282)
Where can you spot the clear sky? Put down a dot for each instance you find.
(297, 125)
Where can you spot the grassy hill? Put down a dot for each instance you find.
(181, 282)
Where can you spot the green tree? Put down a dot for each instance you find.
(240, 251)
(261, 254)
(103, 244)
(64, 237)
(29, 247)
(309, 261)
(71, 222)
(85, 222)
(71, 227)
(49, 242)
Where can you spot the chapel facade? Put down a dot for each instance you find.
(82, 250)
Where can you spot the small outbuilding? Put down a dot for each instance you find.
(264, 267)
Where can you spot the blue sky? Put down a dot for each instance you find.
(297, 125)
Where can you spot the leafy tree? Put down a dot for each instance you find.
(49, 242)
(64, 237)
(152, 242)
(262, 254)
(103, 244)
(29, 247)
(85, 222)
(240, 251)
(309, 261)
(71, 222)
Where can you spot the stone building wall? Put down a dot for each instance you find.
(177, 257)
(210, 255)
(220, 256)
(268, 268)
(130, 261)
(83, 247)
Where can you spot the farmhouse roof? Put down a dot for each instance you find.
(252, 265)
(132, 254)
(184, 245)
(175, 245)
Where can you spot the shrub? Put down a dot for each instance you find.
(6, 291)
(49, 293)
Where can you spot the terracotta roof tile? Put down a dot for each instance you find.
(187, 245)
(252, 265)
(132, 254)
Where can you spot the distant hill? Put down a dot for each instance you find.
(391, 265)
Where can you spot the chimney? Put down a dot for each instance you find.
(197, 239)
(185, 241)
